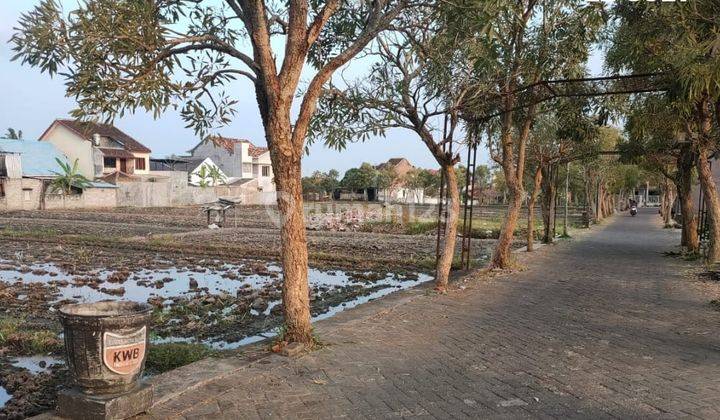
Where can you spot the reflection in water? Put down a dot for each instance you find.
(172, 282)
(36, 364)
(4, 397)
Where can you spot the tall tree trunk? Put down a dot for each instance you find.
(685, 162)
(712, 204)
(667, 199)
(531, 208)
(447, 252)
(548, 204)
(501, 255)
(589, 198)
(293, 241)
(670, 197)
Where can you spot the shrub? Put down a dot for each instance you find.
(168, 356)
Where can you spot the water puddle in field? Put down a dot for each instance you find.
(143, 284)
(36, 364)
(4, 397)
(252, 286)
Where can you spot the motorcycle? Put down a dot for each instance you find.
(633, 211)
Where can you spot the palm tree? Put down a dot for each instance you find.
(69, 178)
(12, 134)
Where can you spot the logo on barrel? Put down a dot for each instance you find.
(124, 354)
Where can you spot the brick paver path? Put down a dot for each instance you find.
(602, 327)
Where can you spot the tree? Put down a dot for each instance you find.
(187, 54)
(330, 181)
(216, 176)
(203, 175)
(69, 178)
(529, 41)
(680, 41)
(413, 83)
(13, 134)
(654, 128)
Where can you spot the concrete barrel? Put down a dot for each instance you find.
(106, 344)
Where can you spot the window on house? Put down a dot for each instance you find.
(110, 162)
(265, 171)
(27, 194)
(140, 163)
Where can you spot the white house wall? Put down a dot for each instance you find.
(74, 147)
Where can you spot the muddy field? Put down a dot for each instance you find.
(217, 287)
(250, 232)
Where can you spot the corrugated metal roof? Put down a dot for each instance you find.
(37, 157)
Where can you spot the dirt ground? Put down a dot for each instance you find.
(252, 232)
(212, 285)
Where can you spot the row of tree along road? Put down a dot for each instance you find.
(437, 70)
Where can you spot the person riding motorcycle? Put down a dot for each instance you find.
(633, 207)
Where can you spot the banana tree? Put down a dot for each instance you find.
(69, 178)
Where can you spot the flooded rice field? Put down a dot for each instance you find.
(220, 303)
(210, 301)
(4, 396)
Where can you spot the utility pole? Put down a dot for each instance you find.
(567, 192)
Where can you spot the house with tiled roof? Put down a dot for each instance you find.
(101, 149)
(398, 191)
(27, 170)
(239, 159)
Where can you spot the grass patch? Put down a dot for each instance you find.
(42, 233)
(168, 356)
(162, 240)
(25, 341)
(428, 263)
(420, 228)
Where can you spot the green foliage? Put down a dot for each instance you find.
(678, 39)
(118, 57)
(216, 176)
(169, 356)
(321, 182)
(25, 340)
(14, 134)
(362, 178)
(69, 178)
(203, 175)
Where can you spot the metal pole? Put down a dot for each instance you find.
(472, 204)
(465, 209)
(554, 175)
(567, 194)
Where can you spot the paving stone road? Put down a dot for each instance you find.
(604, 326)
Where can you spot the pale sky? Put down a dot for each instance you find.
(31, 101)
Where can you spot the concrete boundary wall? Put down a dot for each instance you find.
(171, 189)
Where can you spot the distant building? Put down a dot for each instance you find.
(26, 170)
(239, 160)
(398, 191)
(100, 149)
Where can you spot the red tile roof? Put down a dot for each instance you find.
(256, 151)
(228, 143)
(87, 129)
(116, 153)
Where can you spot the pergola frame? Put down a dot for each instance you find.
(487, 107)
